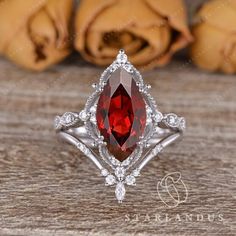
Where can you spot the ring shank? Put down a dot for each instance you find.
(80, 133)
(74, 141)
(161, 139)
(157, 136)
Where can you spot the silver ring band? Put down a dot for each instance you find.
(82, 129)
(76, 135)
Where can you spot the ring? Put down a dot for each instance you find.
(120, 128)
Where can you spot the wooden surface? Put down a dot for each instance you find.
(47, 188)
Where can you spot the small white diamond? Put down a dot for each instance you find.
(158, 117)
(114, 161)
(93, 119)
(57, 122)
(104, 172)
(68, 118)
(182, 124)
(156, 150)
(120, 172)
(128, 67)
(130, 180)
(94, 85)
(83, 116)
(136, 172)
(149, 115)
(120, 192)
(172, 120)
(122, 58)
(110, 180)
(148, 120)
(93, 109)
(113, 67)
(149, 110)
(82, 147)
(125, 162)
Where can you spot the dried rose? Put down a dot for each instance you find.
(214, 48)
(34, 34)
(150, 31)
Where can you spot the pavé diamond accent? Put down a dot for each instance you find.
(182, 123)
(130, 180)
(57, 122)
(110, 180)
(104, 172)
(83, 115)
(120, 129)
(158, 117)
(68, 118)
(122, 58)
(136, 172)
(120, 172)
(120, 192)
(172, 120)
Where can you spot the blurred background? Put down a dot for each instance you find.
(36, 35)
(47, 32)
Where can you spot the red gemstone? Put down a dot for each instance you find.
(121, 114)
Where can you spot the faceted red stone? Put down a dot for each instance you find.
(121, 114)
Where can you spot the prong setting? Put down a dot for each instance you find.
(125, 172)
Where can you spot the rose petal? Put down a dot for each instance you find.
(175, 12)
(149, 24)
(122, 16)
(101, 53)
(21, 50)
(158, 40)
(131, 45)
(13, 17)
(60, 13)
(34, 41)
(42, 28)
(86, 15)
(106, 20)
(218, 13)
(229, 55)
(22, 45)
(207, 50)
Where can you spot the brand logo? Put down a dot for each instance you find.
(172, 190)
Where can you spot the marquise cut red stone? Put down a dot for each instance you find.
(121, 114)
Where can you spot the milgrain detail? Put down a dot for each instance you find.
(145, 144)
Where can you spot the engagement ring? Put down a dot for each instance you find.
(120, 128)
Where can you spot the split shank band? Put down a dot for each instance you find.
(76, 134)
(120, 128)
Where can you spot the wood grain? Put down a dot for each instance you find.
(47, 188)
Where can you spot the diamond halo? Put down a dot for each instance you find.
(81, 129)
